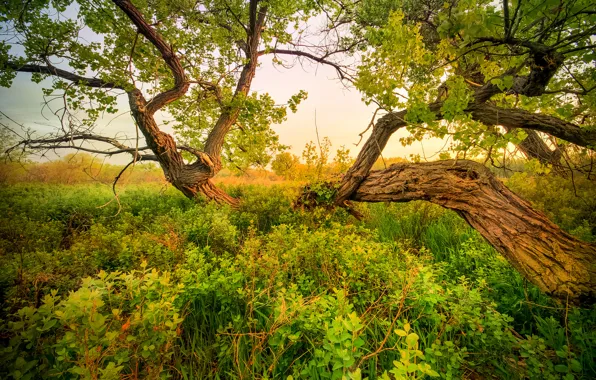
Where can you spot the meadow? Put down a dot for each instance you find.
(164, 287)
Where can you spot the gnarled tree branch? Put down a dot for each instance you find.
(215, 139)
(553, 260)
(518, 118)
(169, 56)
(51, 70)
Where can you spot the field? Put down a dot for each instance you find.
(169, 288)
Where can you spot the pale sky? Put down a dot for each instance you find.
(341, 114)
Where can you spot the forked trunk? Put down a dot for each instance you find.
(559, 264)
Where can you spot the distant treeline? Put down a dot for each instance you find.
(77, 168)
(80, 168)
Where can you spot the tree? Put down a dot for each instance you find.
(465, 69)
(342, 160)
(195, 60)
(485, 75)
(285, 164)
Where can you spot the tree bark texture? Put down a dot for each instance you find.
(194, 178)
(559, 264)
(517, 118)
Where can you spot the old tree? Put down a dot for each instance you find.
(486, 74)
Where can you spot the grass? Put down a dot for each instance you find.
(270, 292)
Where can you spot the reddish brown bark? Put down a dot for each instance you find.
(370, 152)
(191, 179)
(559, 264)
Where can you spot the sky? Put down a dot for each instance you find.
(341, 115)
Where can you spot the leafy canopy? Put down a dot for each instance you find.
(426, 51)
(96, 39)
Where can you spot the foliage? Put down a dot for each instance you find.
(114, 324)
(569, 202)
(315, 164)
(286, 164)
(267, 292)
(442, 51)
(96, 39)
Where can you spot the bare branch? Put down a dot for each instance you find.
(579, 48)
(571, 91)
(68, 143)
(340, 71)
(51, 70)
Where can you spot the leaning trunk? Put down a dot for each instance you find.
(556, 262)
(534, 147)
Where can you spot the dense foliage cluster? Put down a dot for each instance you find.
(171, 288)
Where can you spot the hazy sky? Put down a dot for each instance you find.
(341, 115)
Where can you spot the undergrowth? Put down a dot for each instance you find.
(168, 288)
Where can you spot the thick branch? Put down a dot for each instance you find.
(180, 81)
(534, 146)
(483, 112)
(370, 152)
(189, 179)
(518, 118)
(215, 140)
(556, 262)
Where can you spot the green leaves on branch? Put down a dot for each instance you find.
(387, 73)
(113, 321)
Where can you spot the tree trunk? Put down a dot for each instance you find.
(370, 152)
(194, 178)
(559, 264)
(533, 146)
(518, 118)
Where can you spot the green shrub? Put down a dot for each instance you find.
(270, 292)
(114, 325)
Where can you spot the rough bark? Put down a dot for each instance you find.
(216, 138)
(191, 179)
(370, 152)
(518, 118)
(557, 263)
(181, 83)
(553, 260)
